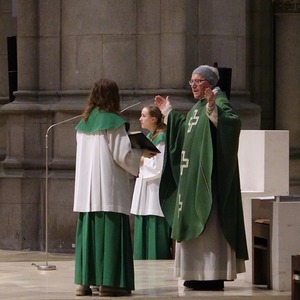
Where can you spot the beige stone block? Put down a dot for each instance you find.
(62, 224)
(173, 17)
(25, 140)
(65, 141)
(61, 218)
(16, 129)
(50, 18)
(173, 61)
(82, 62)
(34, 137)
(3, 134)
(222, 17)
(3, 76)
(28, 64)
(49, 65)
(149, 16)
(19, 203)
(28, 18)
(31, 230)
(148, 61)
(120, 60)
(9, 188)
(287, 75)
(191, 56)
(295, 174)
(228, 52)
(6, 6)
(7, 28)
(30, 191)
(10, 235)
(98, 17)
(191, 13)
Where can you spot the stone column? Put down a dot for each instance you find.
(287, 89)
(8, 25)
(20, 210)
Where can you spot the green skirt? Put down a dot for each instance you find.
(103, 252)
(152, 238)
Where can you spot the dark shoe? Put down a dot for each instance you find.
(83, 290)
(205, 285)
(109, 291)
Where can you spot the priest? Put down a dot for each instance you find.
(200, 187)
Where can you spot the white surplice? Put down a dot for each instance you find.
(104, 160)
(145, 200)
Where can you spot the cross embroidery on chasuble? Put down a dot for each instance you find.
(184, 165)
(193, 120)
(185, 161)
(179, 204)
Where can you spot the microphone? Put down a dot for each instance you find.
(130, 106)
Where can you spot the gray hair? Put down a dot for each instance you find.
(211, 74)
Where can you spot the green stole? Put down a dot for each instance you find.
(185, 189)
(100, 120)
(161, 137)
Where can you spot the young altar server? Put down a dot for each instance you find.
(104, 159)
(151, 230)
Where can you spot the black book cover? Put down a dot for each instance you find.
(140, 141)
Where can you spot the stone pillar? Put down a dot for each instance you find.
(287, 89)
(8, 25)
(261, 59)
(20, 210)
(36, 107)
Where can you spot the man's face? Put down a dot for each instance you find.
(198, 85)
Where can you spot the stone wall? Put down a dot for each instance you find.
(148, 47)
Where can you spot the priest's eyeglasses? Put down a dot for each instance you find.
(196, 81)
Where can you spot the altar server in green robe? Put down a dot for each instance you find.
(151, 231)
(102, 196)
(200, 186)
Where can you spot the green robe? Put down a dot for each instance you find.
(104, 255)
(186, 185)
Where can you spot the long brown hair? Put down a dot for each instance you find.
(105, 96)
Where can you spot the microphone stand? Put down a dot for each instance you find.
(46, 266)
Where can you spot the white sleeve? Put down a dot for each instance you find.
(125, 156)
(152, 167)
(212, 114)
(166, 112)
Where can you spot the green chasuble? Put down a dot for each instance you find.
(100, 120)
(186, 184)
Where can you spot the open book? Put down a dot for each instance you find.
(140, 141)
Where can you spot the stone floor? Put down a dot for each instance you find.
(22, 279)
